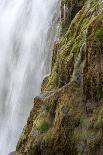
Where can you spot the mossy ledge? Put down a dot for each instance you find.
(68, 119)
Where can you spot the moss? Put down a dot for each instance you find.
(99, 33)
(100, 119)
(53, 80)
(72, 7)
(69, 117)
(42, 125)
(94, 3)
(48, 136)
(71, 43)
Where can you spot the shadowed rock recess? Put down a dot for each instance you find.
(68, 119)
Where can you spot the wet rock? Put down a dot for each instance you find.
(68, 119)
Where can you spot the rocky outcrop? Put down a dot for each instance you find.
(68, 119)
(69, 8)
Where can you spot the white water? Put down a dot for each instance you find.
(27, 33)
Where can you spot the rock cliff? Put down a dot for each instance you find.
(68, 118)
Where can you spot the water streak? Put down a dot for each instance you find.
(27, 33)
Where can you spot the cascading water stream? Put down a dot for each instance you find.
(27, 34)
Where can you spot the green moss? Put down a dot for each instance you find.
(100, 118)
(53, 79)
(71, 43)
(73, 7)
(48, 108)
(94, 3)
(42, 125)
(99, 32)
(74, 126)
(47, 138)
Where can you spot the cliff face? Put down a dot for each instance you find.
(68, 119)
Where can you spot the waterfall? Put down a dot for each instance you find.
(27, 33)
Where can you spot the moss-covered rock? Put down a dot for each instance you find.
(68, 120)
(69, 8)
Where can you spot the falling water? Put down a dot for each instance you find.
(27, 34)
